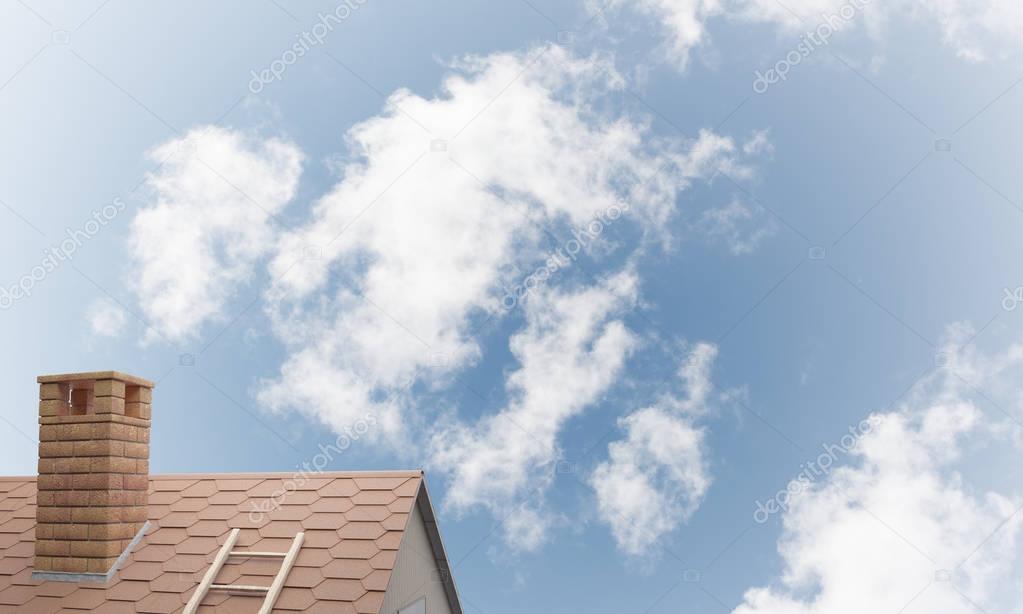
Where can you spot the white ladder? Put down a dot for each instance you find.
(227, 551)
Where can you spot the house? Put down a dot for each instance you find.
(94, 532)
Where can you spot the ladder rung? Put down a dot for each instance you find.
(242, 588)
(271, 592)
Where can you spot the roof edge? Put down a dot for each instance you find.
(437, 543)
(403, 473)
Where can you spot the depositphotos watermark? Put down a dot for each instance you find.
(310, 468)
(815, 469)
(564, 255)
(58, 255)
(315, 36)
(808, 44)
(1012, 298)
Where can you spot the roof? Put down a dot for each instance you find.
(353, 525)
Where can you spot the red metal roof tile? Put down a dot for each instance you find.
(295, 599)
(324, 520)
(370, 602)
(354, 549)
(351, 569)
(384, 560)
(377, 580)
(361, 530)
(84, 599)
(368, 512)
(336, 589)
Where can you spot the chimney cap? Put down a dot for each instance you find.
(94, 375)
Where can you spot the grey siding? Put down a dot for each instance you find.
(415, 572)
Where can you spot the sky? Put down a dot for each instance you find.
(683, 305)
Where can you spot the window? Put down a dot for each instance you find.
(418, 607)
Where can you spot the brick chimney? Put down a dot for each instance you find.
(93, 471)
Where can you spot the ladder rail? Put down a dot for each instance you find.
(289, 561)
(227, 551)
(211, 573)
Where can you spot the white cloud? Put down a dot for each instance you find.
(684, 21)
(741, 227)
(570, 352)
(106, 318)
(417, 243)
(208, 223)
(656, 477)
(441, 205)
(695, 373)
(901, 529)
(976, 30)
(979, 29)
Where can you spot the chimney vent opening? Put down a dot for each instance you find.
(82, 400)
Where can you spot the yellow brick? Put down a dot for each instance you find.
(54, 482)
(53, 514)
(139, 394)
(111, 531)
(48, 432)
(101, 565)
(53, 391)
(56, 449)
(52, 407)
(96, 549)
(109, 405)
(109, 388)
(97, 481)
(138, 410)
(79, 432)
(70, 466)
(73, 565)
(70, 531)
(136, 450)
(134, 514)
(97, 515)
(51, 547)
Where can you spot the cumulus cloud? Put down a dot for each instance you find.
(440, 205)
(569, 353)
(976, 30)
(901, 529)
(423, 231)
(656, 476)
(106, 318)
(209, 220)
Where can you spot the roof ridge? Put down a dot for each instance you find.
(404, 473)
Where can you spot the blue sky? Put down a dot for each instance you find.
(327, 249)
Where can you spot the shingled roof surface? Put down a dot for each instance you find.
(353, 524)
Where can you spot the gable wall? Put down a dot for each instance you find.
(415, 572)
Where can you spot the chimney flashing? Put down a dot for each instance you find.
(101, 578)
